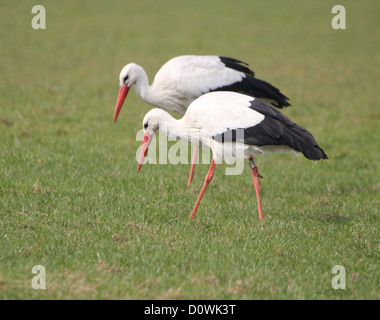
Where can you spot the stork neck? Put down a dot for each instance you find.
(142, 85)
(144, 90)
(173, 128)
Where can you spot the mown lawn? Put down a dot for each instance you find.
(70, 196)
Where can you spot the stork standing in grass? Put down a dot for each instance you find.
(183, 79)
(213, 117)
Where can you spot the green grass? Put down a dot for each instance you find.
(72, 201)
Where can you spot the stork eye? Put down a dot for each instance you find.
(146, 125)
(126, 78)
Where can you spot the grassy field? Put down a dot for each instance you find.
(72, 201)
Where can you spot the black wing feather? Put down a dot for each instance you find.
(252, 86)
(276, 130)
(236, 65)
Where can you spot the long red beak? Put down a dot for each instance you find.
(144, 149)
(120, 99)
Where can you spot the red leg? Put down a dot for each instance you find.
(208, 178)
(193, 161)
(256, 183)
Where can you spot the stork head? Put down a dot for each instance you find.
(151, 124)
(128, 77)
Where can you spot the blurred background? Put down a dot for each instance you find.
(70, 195)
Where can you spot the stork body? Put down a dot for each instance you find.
(215, 119)
(183, 79)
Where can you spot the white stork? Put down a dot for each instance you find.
(183, 79)
(213, 117)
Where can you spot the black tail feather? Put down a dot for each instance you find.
(278, 129)
(301, 140)
(252, 86)
(264, 90)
